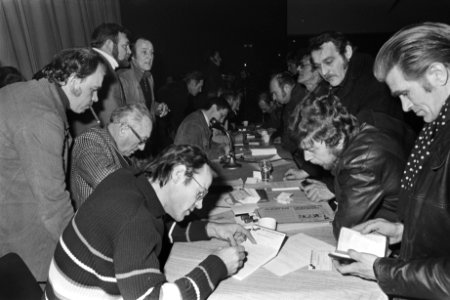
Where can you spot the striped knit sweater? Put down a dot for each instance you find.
(110, 248)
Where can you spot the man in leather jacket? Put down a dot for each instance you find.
(415, 65)
(367, 163)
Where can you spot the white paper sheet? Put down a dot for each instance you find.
(296, 254)
(267, 247)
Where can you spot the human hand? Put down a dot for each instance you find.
(162, 109)
(233, 233)
(317, 191)
(295, 174)
(394, 231)
(232, 257)
(363, 267)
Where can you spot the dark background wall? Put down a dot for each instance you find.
(183, 31)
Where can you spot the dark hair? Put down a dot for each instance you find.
(135, 112)
(284, 78)
(106, 31)
(337, 38)
(133, 45)
(413, 49)
(192, 157)
(220, 102)
(197, 76)
(79, 61)
(325, 119)
(9, 75)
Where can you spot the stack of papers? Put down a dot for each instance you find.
(268, 244)
(263, 151)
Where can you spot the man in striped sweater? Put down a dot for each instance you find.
(111, 247)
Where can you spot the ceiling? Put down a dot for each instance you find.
(306, 17)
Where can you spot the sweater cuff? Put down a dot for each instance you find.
(204, 278)
(197, 231)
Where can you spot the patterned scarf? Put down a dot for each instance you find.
(421, 151)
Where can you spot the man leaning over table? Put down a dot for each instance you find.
(414, 63)
(366, 163)
(111, 247)
(35, 205)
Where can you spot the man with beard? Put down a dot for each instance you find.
(111, 41)
(366, 163)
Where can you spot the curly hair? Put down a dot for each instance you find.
(192, 157)
(325, 119)
(79, 61)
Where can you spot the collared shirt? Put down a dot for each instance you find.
(111, 60)
(64, 98)
(138, 71)
(206, 118)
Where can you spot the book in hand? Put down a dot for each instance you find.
(371, 243)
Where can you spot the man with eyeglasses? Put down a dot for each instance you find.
(111, 249)
(100, 151)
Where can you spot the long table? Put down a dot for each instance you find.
(300, 284)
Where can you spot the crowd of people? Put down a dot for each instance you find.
(91, 130)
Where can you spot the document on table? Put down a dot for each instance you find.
(297, 253)
(268, 244)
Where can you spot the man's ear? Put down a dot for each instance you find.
(348, 52)
(178, 174)
(108, 45)
(73, 83)
(437, 74)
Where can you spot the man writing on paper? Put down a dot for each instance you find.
(366, 163)
(415, 65)
(111, 247)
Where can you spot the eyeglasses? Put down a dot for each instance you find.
(204, 191)
(141, 140)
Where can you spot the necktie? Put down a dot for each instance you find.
(146, 89)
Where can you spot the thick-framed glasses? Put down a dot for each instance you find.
(141, 140)
(204, 191)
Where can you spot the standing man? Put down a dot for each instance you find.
(414, 63)
(111, 248)
(98, 152)
(138, 87)
(177, 96)
(34, 142)
(350, 77)
(110, 40)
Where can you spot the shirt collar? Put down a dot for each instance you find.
(206, 118)
(111, 60)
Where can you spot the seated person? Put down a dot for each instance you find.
(111, 248)
(195, 129)
(270, 111)
(234, 100)
(367, 164)
(98, 152)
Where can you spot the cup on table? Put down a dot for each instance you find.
(265, 137)
(269, 223)
(265, 166)
(245, 123)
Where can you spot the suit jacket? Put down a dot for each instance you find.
(94, 156)
(194, 131)
(130, 80)
(34, 142)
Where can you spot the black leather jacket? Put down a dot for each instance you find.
(367, 178)
(423, 268)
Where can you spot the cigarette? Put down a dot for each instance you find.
(95, 116)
